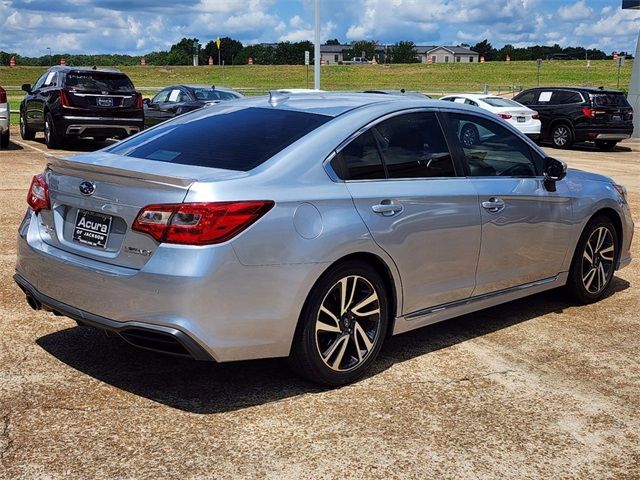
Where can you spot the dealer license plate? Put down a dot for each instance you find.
(92, 228)
(105, 102)
(521, 119)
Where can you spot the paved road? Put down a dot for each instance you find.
(537, 388)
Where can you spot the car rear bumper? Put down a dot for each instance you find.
(604, 133)
(199, 293)
(144, 335)
(89, 126)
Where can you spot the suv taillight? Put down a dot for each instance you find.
(588, 112)
(38, 196)
(3, 95)
(139, 103)
(64, 99)
(199, 223)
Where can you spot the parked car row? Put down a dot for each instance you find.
(72, 102)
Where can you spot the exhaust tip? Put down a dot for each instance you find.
(33, 303)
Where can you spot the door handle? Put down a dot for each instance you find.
(494, 205)
(387, 209)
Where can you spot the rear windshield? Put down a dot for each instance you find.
(236, 139)
(212, 94)
(610, 99)
(500, 102)
(111, 82)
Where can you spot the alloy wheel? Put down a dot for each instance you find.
(560, 136)
(347, 324)
(469, 137)
(597, 260)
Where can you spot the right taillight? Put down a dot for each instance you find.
(3, 95)
(38, 196)
(199, 223)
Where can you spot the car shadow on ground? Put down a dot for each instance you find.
(79, 144)
(12, 146)
(207, 387)
(589, 147)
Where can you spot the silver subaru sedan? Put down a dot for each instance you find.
(312, 226)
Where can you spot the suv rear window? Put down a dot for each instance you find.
(111, 82)
(234, 139)
(610, 100)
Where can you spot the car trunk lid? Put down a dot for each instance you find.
(96, 198)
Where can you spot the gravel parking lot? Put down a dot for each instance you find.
(537, 388)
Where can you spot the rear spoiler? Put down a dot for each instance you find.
(140, 169)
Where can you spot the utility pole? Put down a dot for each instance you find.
(50, 57)
(316, 50)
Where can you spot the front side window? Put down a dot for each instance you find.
(490, 149)
(161, 97)
(413, 146)
(527, 98)
(359, 160)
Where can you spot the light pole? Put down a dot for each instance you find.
(634, 87)
(316, 50)
(49, 55)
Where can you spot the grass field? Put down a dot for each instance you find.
(436, 79)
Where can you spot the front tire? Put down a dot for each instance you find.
(342, 326)
(25, 131)
(51, 137)
(561, 136)
(594, 261)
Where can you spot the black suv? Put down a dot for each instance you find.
(70, 102)
(571, 114)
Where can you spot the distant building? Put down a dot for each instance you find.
(331, 54)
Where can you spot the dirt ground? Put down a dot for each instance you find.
(537, 388)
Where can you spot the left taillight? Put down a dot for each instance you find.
(506, 116)
(3, 95)
(38, 196)
(199, 223)
(139, 102)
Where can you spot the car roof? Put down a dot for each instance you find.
(583, 89)
(331, 103)
(67, 68)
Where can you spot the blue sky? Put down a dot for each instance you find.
(140, 26)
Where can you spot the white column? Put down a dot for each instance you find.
(316, 50)
(634, 91)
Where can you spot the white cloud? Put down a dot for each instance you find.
(577, 11)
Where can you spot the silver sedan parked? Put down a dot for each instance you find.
(312, 227)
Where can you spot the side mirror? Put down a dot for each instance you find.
(26, 87)
(554, 170)
(146, 101)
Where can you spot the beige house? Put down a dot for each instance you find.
(334, 54)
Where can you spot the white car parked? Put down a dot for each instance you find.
(521, 117)
(4, 119)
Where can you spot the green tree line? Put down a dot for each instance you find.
(291, 53)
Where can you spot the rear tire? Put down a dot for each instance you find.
(606, 145)
(342, 326)
(25, 131)
(561, 136)
(4, 140)
(51, 137)
(594, 261)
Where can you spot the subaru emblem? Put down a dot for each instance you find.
(87, 188)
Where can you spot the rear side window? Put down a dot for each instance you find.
(527, 98)
(359, 160)
(110, 82)
(565, 97)
(235, 139)
(212, 94)
(413, 146)
(610, 100)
